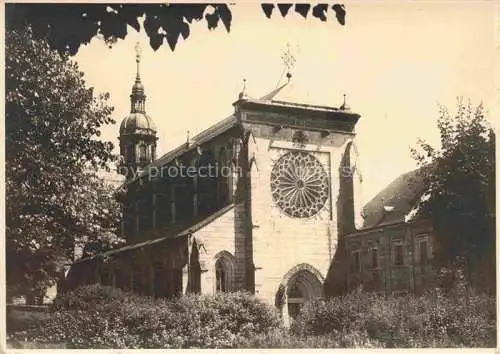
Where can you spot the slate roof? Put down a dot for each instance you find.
(185, 232)
(209, 133)
(400, 197)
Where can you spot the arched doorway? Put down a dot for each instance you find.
(301, 284)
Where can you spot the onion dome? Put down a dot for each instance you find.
(137, 123)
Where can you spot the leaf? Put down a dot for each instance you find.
(319, 11)
(340, 13)
(302, 9)
(268, 9)
(68, 26)
(284, 8)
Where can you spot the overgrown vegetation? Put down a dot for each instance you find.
(68, 26)
(103, 317)
(460, 195)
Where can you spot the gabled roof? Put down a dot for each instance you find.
(209, 133)
(397, 200)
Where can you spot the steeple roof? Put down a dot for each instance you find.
(137, 122)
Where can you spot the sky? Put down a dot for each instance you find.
(395, 60)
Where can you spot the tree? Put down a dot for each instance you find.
(67, 26)
(460, 198)
(54, 198)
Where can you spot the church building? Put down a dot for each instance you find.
(261, 201)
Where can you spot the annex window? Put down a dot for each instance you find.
(356, 261)
(423, 251)
(398, 254)
(374, 258)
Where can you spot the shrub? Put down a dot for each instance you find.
(100, 317)
(459, 318)
(90, 296)
(338, 314)
(103, 317)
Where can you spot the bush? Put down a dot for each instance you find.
(103, 317)
(459, 318)
(90, 296)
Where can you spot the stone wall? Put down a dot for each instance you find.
(281, 242)
(224, 234)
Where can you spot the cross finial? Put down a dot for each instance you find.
(288, 60)
(138, 51)
(243, 93)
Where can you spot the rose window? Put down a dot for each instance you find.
(299, 184)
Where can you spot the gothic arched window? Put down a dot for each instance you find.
(224, 272)
(220, 277)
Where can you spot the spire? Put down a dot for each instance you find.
(138, 51)
(137, 98)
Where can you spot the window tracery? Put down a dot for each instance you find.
(299, 184)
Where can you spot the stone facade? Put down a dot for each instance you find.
(271, 226)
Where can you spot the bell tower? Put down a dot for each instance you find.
(137, 131)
